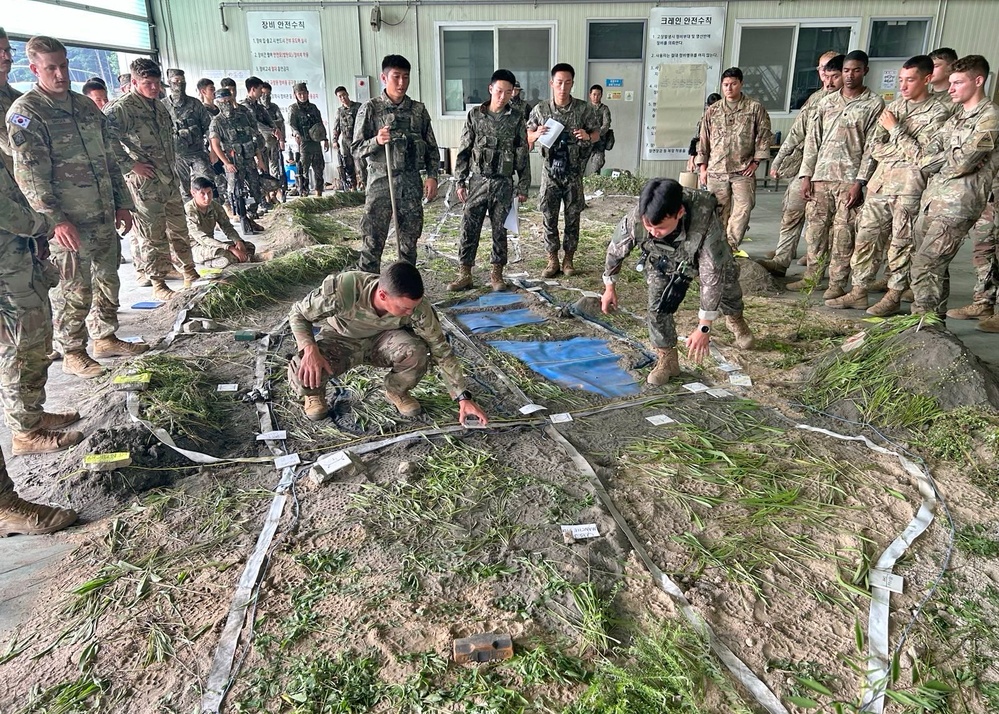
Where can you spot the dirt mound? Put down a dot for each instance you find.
(755, 280)
(936, 363)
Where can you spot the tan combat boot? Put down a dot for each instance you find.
(808, 281)
(553, 268)
(113, 347)
(58, 420)
(835, 290)
(162, 291)
(773, 267)
(315, 407)
(43, 441)
(738, 326)
(464, 279)
(856, 299)
(667, 367)
(878, 286)
(989, 324)
(567, 267)
(907, 295)
(78, 362)
(190, 278)
(405, 403)
(974, 311)
(20, 517)
(173, 274)
(888, 305)
(142, 280)
(496, 281)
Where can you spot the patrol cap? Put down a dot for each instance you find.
(223, 94)
(124, 78)
(174, 72)
(300, 87)
(516, 85)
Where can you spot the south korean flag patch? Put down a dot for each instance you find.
(19, 120)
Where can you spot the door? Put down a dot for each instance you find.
(622, 83)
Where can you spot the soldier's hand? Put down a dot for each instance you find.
(383, 136)
(67, 236)
(430, 189)
(313, 366)
(581, 135)
(230, 168)
(522, 197)
(773, 173)
(704, 174)
(143, 170)
(326, 146)
(462, 193)
(751, 169)
(806, 189)
(888, 120)
(123, 220)
(608, 301)
(697, 345)
(467, 408)
(856, 195)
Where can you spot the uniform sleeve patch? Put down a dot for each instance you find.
(18, 138)
(19, 120)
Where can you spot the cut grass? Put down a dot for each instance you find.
(310, 214)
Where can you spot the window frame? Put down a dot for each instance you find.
(853, 23)
(880, 18)
(441, 27)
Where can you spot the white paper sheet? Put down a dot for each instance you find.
(512, 222)
(554, 129)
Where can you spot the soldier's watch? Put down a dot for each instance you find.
(704, 328)
(463, 396)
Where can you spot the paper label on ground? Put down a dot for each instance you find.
(516, 275)
(888, 581)
(741, 380)
(273, 435)
(535, 289)
(854, 341)
(660, 419)
(696, 387)
(591, 294)
(531, 408)
(560, 418)
(719, 393)
(334, 462)
(140, 378)
(555, 128)
(227, 388)
(551, 282)
(729, 367)
(584, 530)
(287, 460)
(107, 458)
(134, 339)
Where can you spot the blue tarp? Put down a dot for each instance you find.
(491, 321)
(490, 300)
(579, 363)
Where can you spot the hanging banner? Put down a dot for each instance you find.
(684, 66)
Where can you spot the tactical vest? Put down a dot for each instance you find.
(567, 145)
(493, 153)
(191, 141)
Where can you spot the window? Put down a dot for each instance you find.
(112, 24)
(616, 40)
(898, 39)
(779, 61)
(84, 63)
(470, 55)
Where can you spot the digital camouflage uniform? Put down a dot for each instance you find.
(700, 243)
(837, 151)
(208, 249)
(343, 135)
(786, 163)
(272, 146)
(144, 132)
(985, 251)
(239, 138)
(893, 192)
(597, 156)
(26, 327)
(962, 161)
(265, 137)
(733, 135)
(7, 96)
(355, 334)
(491, 150)
(564, 190)
(65, 165)
(190, 131)
(413, 149)
(301, 119)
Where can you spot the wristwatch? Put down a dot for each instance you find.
(463, 396)
(704, 328)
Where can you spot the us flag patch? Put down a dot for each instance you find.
(19, 120)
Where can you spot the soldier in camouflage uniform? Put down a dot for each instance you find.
(679, 234)
(985, 261)
(597, 156)
(962, 160)
(735, 138)
(307, 124)
(787, 162)
(395, 124)
(234, 140)
(381, 320)
(562, 181)
(190, 131)
(837, 156)
(905, 127)
(144, 130)
(267, 131)
(65, 166)
(7, 96)
(204, 215)
(491, 149)
(343, 136)
(273, 144)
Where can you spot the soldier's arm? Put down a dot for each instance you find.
(33, 168)
(591, 123)
(317, 305)
(912, 145)
(867, 161)
(712, 268)
(223, 222)
(764, 134)
(119, 189)
(427, 327)
(126, 151)
(463, 157)
(523, 159)
(337, 125)
(534, 122)
(967, 159)
(15, 217)
(431, 156)
(620, 246)
(204, 118)
(813, 140)
(365, 131)
(704, 140)
(605, 120)
(795, 138)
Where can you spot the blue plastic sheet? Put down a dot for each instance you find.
(490, 300)
(479, 322)
(580, 363)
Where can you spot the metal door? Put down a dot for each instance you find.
(622, 82)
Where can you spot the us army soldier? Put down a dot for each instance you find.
(190, 130)
(310, 133)
(7, 95)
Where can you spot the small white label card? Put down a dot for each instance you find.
(729, 367)
(531, 408)
(584, 530)
(660, 419)
(696, 387)
(560, 418)
(273, 435)
(719, 393)
(334, 462)
(134, 339)
(591, 294)
(287, 460)
(741, 380)
(227, 388)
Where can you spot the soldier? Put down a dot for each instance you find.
(343, 136)
(395, 125)
(20, 517)
(597, 159)
(943, 58)
(307, 125)
(517, 102)
(190, 131)
(491, 149)
(206, 91)
(381, 320)
(565, 161)
(124, 84)
(836, 160)
(144, 130)
(788, 161)
(985, 261)
(97, 91)
(64, 164)
(735, 138)
(7, 95)
(962, 160)
(681, 238)
(204, 214)
(273, 144)
(268, 130)
(893, 192)
(234, 140)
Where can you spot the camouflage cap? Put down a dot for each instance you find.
(300, 87)
(223, 94)
(174, 72)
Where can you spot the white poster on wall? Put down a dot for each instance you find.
(681, 42)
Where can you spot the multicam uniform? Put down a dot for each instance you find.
(491, 150)
(733, 135)
(597, 156)
(7, 96)
(208, 249)
(413, 149)
(190, 130)
(343, 135)
(302, 118)
(985, 251)
(699, 245)
(355, 334)
(65, 165)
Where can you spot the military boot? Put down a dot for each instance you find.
(58, 420)
(907, 295)
(738, 326)
(878, 286)
(162, 291)
(173, 274)
(254, 226)
(113, 347)
(834, 291)
(190, 277)
(20, 517)
(405, 403)
(974, 311)
(568, 269)
(315, 407)
(78, 362)
(142, 280)
(667, 367)
(773, 267)
(989, 324)
(553, 268)
(888, 305)
(43, 441)
(808, 281)
(856, 299)
(496, 281)
(464, 279)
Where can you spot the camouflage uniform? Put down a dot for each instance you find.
(355, 334)
(26, 327)
(564, 190)
(962, 160)
(700, 243)
(985, 251)
(596, 160)
(272, 146)
(837, 151)
(413, 149)
(190, 131)
(893, 192)
(266, 141)
(239, 139)
(491, 150)
(301, 118)
(7, 96)
(343, 135)
(208, 249)
(786, 163)
(733, 135)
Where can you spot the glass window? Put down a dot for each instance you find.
(898, 39)
(616, 40)
(91, 27)
(84, 63)
(526, 53)
(812, 43)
